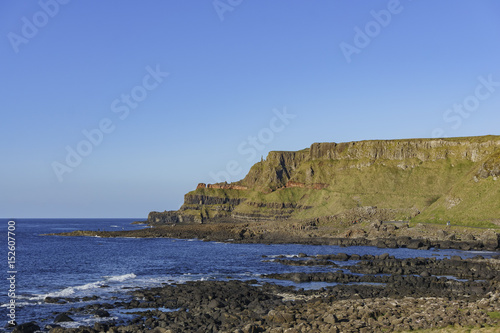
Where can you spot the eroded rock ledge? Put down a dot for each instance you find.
(425, 180)
(357, 303)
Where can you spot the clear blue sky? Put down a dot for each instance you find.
(334, 71)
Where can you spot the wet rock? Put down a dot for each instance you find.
(49, 327)
(62, 317)
(30, 327)
(490, 240)
(10, 324)
(341, 257)
(101, 327)
(414, 244)
(53, 300)
(58, 329)
(101, 313)
(388, 294)
(383, 256)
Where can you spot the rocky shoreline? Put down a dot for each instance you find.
(361, 293)
(380, 293)
(378, 234)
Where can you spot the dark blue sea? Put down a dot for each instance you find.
(109, 268)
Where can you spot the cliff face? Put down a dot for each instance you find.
(473, 149)
(278, 168)
(429, 180)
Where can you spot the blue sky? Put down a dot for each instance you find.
(244, 78)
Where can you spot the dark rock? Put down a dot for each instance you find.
(26, 328)
(215, 304)
(383, 256)
(403, 241)
(101, 313)
(414, 244)
(54, 300)
(62, 317)
(391, 243)
(49, 327)
(342, 257)
(251, 328)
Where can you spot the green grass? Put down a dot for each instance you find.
(429, 181)
(494, 315)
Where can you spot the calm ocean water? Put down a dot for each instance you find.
(107, 267)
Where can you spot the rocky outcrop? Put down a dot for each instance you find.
(222, 186)
(167, 217)
(421, 149)
(276, 170)
(427, 180)
(490, 168)
(227, 187)
(199, 199)
(372, 213)
(392, 295)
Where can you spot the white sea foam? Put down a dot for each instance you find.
(85, 321)
(18, 304)
(120, 278)
(71, 291)
(66, 292)
(482, 252)
(283, 255)
(91, 285)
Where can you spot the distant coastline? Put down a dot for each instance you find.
(334, 184)
(415, 193)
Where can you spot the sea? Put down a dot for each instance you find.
(110, 268)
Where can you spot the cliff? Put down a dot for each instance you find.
(426, 180)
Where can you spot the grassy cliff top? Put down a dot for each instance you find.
(428, 180)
